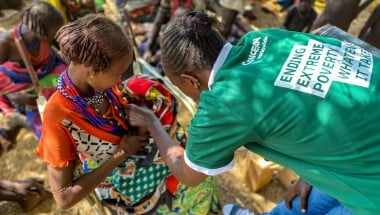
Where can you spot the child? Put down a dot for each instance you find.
(300, 16)
(39, 23)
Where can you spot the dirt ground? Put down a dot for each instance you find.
(20, 162)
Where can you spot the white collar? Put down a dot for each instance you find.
(218, 63)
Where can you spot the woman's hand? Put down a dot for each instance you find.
(130, 145)
(298, 188)
(139, 116)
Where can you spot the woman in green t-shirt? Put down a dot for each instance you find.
(307, 102)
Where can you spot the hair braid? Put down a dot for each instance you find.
(190, 43)
(94, 41)
(39, 17)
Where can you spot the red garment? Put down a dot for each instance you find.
(47, 66)
(176, 4)
(44, 50)
(147, 91)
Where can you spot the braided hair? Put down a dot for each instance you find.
(190, 43)
(94, 41)
(40, 16)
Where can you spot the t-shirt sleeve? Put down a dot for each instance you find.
(55, 144)
(214, 134)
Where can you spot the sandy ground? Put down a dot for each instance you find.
(20, 162)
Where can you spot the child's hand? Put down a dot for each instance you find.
(130, 145)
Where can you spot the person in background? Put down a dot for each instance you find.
(300, 17)
(231, 12)
(284, 95)
(72, 10)
(277, 6)
(340, 13)
(28, 193)
(371, 29)
(167, 10)
(38, 25)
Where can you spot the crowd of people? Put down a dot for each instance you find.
(304, 101)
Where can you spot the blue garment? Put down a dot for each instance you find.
(318, 204)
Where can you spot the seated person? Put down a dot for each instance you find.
(39, 23)
(300, 17)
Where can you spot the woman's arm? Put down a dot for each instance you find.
(172, 152)
(174, 155)
(67, 191)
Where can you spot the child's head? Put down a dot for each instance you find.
(305, 5)
(42, 19)
(190, 44)
(99, 44)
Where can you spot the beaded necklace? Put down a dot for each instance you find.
(114, 123)
(95, 100)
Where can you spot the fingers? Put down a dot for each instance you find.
(304, 197)
(289, 196)
(128, 109)
(288, 201)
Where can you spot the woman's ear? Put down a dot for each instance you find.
(192, 80)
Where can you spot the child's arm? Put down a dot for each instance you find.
(313, 16)
(289, 17)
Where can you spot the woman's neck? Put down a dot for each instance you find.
(79, 75)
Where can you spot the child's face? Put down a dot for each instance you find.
(51, 34)
(305, 5)
(104, 80)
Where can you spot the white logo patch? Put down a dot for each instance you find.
(257, 50)
(313, 68)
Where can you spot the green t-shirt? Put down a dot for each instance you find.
(307, 102)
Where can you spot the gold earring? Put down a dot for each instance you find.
(91, 77)
(198, 85)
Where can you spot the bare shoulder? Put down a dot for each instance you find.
(7, 45)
